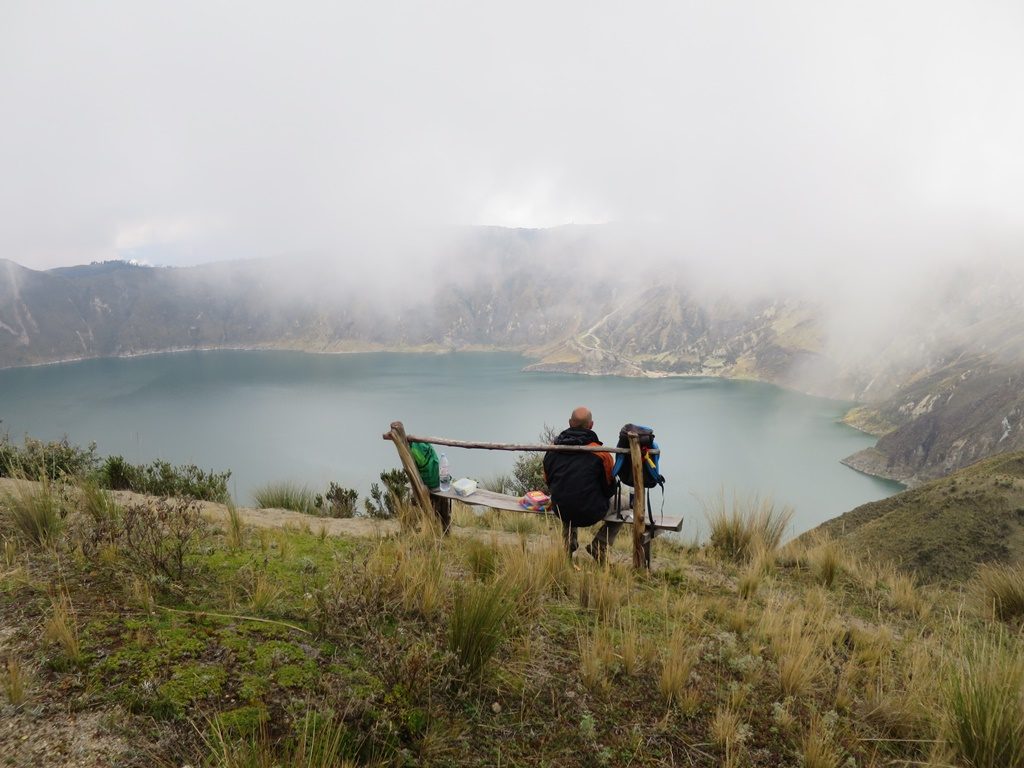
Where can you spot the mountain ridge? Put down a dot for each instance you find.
(940, 392)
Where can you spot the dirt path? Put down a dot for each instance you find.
(362, 527)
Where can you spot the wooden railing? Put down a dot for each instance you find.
(421, 493)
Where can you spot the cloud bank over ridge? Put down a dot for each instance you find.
(761, 139)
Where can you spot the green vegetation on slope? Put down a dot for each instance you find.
(60, 460)
(211, 643)
(943, 530)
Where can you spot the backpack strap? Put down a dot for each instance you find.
(617, 467)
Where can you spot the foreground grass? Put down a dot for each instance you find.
(290, 647)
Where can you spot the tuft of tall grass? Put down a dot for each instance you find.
(420, 576)
(630, 644)
(750, 581)
(482, 557)
(798, 657)
(601, 590)
(827, 561)
(36, 511)
(286, 495)
(818, 747)
(263, 592)
(13, 679)
(501, 482)
(1001, 590)
(99, 504)
(677, 664)
(479, 624)
(320, 743)
(465, 516)
(10, 550)
(597, 655)
(523, 524)
(235, 531)
(746, 526)
(905, 596)
(727, 733)
(985, 704)
(62, 629)
(532, 573)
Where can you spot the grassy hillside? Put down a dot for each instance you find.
(136, 631)
(944, 529)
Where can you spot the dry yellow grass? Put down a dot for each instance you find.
(602, 589)
(818, 748)
(905, 596)
(677, 663)
(420, 576)
(799, 660)
(597, 655)
(262, 592)
(827, 561)
(14, 681)
(727, 734)
(62, 628)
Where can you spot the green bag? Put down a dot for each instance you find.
(427, 463)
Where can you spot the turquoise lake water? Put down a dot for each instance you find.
(272, 416)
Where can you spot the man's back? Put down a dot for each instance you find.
(580, 483)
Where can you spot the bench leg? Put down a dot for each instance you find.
(649, 536)
(443, 510)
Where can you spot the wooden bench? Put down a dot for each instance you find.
(440, 501)
(481, 497)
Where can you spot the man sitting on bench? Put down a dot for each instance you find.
(582, 485)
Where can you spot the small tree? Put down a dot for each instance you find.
(337, 502)
(384, 504)
(528, 471)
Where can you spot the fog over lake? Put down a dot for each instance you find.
(271, 416)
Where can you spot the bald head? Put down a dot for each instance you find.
(581, 418)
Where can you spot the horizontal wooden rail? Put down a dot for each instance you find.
(517, 446)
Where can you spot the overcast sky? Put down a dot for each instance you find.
(796, 132)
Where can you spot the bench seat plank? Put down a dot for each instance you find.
(484, 498)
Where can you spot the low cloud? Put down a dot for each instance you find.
(852, 156)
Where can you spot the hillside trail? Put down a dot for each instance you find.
(362, 527)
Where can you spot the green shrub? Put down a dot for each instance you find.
(160, 538)
(161, 478)
(54, 460)
(285, 495)
(396, 495)
(985, 701)
(1002, 590)
(479, 624)
(337, 502)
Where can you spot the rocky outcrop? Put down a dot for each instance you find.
(948, 420)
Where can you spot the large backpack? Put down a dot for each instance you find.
(623, 468)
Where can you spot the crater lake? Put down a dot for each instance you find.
(312, 419)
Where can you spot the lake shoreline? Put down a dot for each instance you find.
(293, 416)
(434, 349)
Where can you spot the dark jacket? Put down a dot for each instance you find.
(580, 483)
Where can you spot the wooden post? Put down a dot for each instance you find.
(639, 511)
(419, 491)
